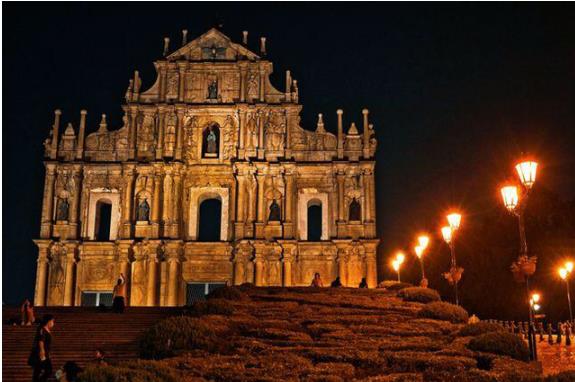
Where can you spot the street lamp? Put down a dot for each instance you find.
(396, 264)
(448, 233)
(423, 241)
(564, 274)
(525, 266)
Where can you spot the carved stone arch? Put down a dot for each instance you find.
(197, 195)
(306, 200)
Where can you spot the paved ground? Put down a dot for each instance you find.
(556, 358)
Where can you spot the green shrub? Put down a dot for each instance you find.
(215, 306)
(176, 334)
(393, 285)
(227, 293)
(501, 343)
(479, 328)
(444, 311)
(418, 294)
(133, 371)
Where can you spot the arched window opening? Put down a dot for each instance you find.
(210, 220)
(314, 220)
(211, 141)
(103, 219)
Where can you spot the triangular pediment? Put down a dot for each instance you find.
(212, 45)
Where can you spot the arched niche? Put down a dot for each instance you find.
(211, 141)
(306, 200)
(98, 201)
(199, 195)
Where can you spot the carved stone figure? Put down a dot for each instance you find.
(211, 137)
(170, 139)
(213, 90)
(190, 148)
(252, 132)
(253, 85)
(143, 212)
(354, 210)
(275, 212)
(63, 209)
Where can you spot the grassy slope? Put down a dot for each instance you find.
(338, 335)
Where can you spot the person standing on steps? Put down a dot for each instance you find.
(363, 283)
(316, 282)
(40, 356)
(119, 295)
(27, 311)
(336, 283)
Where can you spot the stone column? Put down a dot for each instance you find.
(182, 76)
(241, 204)
(261, 177)
(342, 259)
(367, 197)
(173, 259)
(55, 133)
(127, 202)
(288, 257)
(156, 202)
(74, 208)
(365, 113)
(261, 148)
(341, 195)
(124, 264)
(179, 134)
(176, 203)
(160, 139)
(133, 118)
(243, 78)
(152, 279)
(259, 270)
(239, 271)
(371, 271)
(262, 85)
(289, 196)
(41, 272)
(167, 197)
(339, 134)
(242, 127)
(81, 133)
(47, 204)
(69, 280)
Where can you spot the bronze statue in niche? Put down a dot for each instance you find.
(63, 209)
(213, 89)
(210, 147)
(143, 212)
(275, 212)
(354, 210)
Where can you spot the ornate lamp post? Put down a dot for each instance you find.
(423, 242)
(525, 266)
(448, 233)
(396, 264)
(564, 274)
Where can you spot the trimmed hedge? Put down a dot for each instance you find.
(132, 371)
(479, 328)
(215, 306)
(227, 293)
(444, 311)
(501, 343)
(393, 285)
(418, 294)
(174, 335)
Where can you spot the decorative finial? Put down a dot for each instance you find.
(103, 124)
(365, 111)
(83, 112)
(320, 126)
(245, 37)
(263, 46)
(166, 45)
(352, 129)
(184, 37)
(339, 112)
(58, 112)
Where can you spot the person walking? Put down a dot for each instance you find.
(119, 295)
(40, 356)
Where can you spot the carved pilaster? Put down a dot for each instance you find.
(173, 254)
(160, 137)
(41, 272)
(47, 204)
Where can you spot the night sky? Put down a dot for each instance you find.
(456, 94)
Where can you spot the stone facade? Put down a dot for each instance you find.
(212, 126)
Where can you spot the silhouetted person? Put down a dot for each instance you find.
(336, 283)
(69, 372)
(119, 295)
(316, 282)
(99, 358)
(40, 356)
(363, 283)
(27, 313)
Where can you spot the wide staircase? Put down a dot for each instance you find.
(79, 331)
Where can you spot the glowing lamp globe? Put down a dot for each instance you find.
(395, 265)
(563, 273)
(423, 241)
(454, 220)
(535, 297)
(527, 171)
(418, 251)
(400, 257)
(510, 197)
(569, 266)
(536, 307)
(446, 233)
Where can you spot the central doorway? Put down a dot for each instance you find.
(199, 291)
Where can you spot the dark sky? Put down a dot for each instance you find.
(456, 93)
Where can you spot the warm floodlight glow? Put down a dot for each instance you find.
(454, 220)
(535, 297)
(423, 241)
(395, 265)
(527, 171)
(569, 266)
(446, 232)
(536, 307)
(418, 251)
(400, 257)
(563, 273)
(510, 197)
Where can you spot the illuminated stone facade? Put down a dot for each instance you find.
(212, 126)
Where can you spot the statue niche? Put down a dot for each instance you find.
(275, 212)
(62, 209)
(143, 211)
(211, 141)
(213, 89)
(354, 210)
